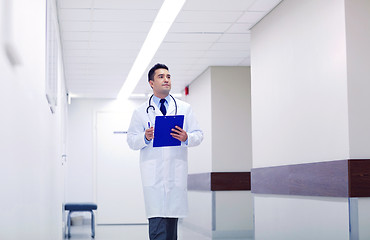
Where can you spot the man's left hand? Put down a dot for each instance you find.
(179, 134)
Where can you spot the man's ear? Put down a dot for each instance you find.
(151, 83)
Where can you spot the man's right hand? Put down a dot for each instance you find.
(149, 133)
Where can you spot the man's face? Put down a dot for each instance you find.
(161, 82)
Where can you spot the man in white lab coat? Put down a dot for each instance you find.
(163, 169)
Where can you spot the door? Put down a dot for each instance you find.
(118, 181)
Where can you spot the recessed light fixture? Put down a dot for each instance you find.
(162, 23)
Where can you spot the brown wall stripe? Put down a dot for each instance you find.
(342, 178)
(359, 177)
(220, 181)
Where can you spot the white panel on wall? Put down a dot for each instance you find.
(231, 119)
(234, 213)
(200, 157)
(81, 159)
(119, 190)
(364, 218)
(358, 53)
(303, 218)
(299, 84)
(200, 214)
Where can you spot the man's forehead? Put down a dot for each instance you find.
(161, 71)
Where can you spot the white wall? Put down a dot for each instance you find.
(231, 119)
(303, 218)
(200, 215)
(81, 158)
(358, 55)
(300, 112)
(234, 214)
(299, 84)
(200, 99)
(30, 139)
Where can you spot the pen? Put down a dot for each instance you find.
(148, 124)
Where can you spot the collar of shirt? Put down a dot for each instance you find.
(158, 104)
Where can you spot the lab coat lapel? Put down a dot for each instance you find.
(157, 112)
(171, 108)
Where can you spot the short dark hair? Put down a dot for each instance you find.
(155, 67)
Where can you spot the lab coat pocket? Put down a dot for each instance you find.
(148, 170)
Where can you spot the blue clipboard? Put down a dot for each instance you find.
(162, 130)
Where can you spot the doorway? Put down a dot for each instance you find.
(118, 180)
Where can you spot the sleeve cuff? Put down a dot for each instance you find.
(146, 141)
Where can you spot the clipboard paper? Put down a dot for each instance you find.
(162, 130)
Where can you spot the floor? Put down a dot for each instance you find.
(129, 232)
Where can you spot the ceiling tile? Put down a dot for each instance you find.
(100, 59)
(121, 37)
(199, 27)
(192, 37)
(251, 17)
(208, 16)
(132, 46)
(230, 46)
(225, 61)
(184, 54)
(211, 5)
(99, 53)
(72, 45)
(76, 26)
(264, 5)
(75, 4)
(240, 28)
(180, 46)
(75, 36)
(124, 15)
(126, 27)
(76, 52)
(133, 5)
(245, 62)
(75, 14)
(235, 38)
(226, 54)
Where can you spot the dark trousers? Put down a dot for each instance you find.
(163, 228)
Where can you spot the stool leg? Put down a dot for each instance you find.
(69, 224)
(92, 224)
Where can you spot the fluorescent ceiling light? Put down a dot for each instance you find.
(162, 23)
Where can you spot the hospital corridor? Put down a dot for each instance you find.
(185, 119)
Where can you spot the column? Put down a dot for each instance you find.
(221, 206)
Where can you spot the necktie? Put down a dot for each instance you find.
(163, 107)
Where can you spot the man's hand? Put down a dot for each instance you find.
(149, 133)
(179, 134)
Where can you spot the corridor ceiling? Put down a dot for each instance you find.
(101, 39)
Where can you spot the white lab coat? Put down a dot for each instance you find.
(163, 169)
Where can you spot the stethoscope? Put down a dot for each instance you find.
(151, 106)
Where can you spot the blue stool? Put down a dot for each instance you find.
(80, 207)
